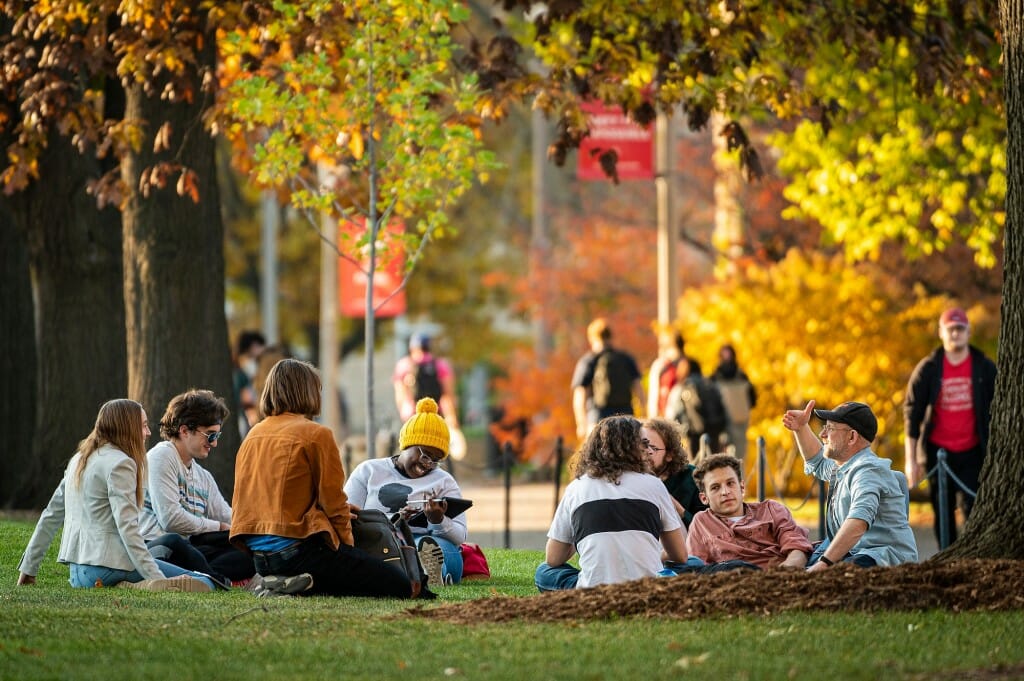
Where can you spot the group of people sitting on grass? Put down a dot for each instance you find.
(158, 521)
(627, 524)
(635, 509)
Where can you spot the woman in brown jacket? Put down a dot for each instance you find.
(290, 509)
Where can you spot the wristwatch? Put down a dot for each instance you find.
(826, 561)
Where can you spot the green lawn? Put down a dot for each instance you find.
(51, 631)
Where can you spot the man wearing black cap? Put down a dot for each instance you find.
(948, 406)
(866, 516)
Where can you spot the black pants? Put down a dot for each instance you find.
(967, 467)
(223, 556)
(346, 572)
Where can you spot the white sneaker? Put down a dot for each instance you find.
(279, 585)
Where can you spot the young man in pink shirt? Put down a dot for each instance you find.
(760, 533)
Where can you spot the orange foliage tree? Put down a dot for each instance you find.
(598, 269)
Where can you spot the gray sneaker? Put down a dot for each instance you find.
(280, 585)
(432, 559)
(182, 583)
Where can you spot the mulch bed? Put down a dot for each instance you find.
(959, 585)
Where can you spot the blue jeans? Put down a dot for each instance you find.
(557, 578)
(859, 560)
(452, 558)
(86, 576)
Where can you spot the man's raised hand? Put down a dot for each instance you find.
(795, 419)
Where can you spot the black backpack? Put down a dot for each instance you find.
(613, 380)
(425, 381)
(702, 408)
(391, 542)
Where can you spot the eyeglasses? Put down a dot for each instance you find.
(650, 446)
(426, 460)
(211, 436)
(832, 429)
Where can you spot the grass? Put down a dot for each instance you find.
(51, 631)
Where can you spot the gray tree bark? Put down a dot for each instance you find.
(174, 264)
(74, 253)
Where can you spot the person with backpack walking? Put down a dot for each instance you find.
(605, 380)
(420, 374)
(739, 397)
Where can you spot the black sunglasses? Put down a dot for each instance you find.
(211, 436)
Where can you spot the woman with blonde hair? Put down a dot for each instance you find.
(98, 501)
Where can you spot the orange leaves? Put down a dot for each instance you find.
(158, 177)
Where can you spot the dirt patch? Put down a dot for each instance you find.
(959, 585)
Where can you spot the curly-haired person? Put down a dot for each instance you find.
(615, 514)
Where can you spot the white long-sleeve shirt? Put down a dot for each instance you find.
(180, 499)
(376, 483)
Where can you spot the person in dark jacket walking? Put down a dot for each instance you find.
(948, 406)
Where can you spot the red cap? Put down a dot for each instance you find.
(953, 317)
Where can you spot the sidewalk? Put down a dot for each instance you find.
(531, 506)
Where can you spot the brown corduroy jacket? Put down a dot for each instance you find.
(288, 483)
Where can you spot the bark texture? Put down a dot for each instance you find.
(993, 530)
(174, 264)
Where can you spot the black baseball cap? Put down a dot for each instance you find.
(857, 415)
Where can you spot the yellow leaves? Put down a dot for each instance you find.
(356, 146)
(641, 76)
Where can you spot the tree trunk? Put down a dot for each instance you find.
(993, 530)
(174, 264)
(75, 260)
(17, 358)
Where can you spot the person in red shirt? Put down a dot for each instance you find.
(948, 406)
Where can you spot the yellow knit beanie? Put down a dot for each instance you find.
(425, 427)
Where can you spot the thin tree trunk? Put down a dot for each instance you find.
(174, 265)
(75, 259)
(993, 530)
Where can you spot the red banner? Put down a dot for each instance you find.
(352, 278)
(610, 129)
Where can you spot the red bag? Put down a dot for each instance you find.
(474, 562)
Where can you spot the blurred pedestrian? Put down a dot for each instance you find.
(738, 396)
(670, 367)
(605, 381)
(248, 348)
(948, 405)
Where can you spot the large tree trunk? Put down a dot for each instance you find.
(993, 530)
(174, 266)
(17, 358)
(75, 259)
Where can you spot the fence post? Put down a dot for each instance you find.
(558, 471)
(821, 509)
(762, 467)
(506, 460)
(346, 458)
(943, 493)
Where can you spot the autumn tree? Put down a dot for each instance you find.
(735, 58)
(369, 93)
(127, 85)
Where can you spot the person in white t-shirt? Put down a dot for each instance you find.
(411, 481)
(615, 514)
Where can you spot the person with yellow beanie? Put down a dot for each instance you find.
(411, 481)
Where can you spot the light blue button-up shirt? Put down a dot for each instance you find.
(866, 488)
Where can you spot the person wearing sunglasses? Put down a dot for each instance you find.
(411, 481)
(182, 498)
